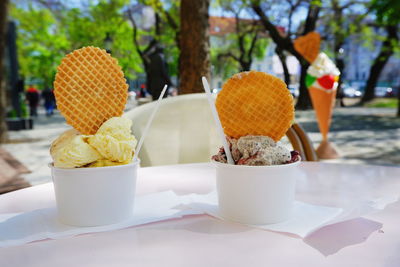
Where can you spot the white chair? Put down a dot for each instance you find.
(183, 131)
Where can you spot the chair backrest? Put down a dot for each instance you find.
(11, 169)
(183, 131)
(301, 142)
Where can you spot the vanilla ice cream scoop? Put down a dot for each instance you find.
(117, 127)
(113, 144)
(104, 163)
(114, 140)
(71, 150)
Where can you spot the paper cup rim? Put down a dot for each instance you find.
(93, 169)
(226, 165)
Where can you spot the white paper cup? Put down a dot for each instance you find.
(95, 196)
(256, 194)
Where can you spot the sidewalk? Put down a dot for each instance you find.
(31, 147)
(362, 136)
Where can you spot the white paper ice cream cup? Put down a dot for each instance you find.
(256, 194)
(95, 196)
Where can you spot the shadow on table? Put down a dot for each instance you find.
(332, 238)
(327, 240)
(351, 122)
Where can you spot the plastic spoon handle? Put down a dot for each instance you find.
(146, 129)
(217, 121)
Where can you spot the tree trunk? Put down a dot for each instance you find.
(398, 101)
(194, 60)
(303, 101)
(380, 61)
(339, 37)
(3, 22)
(245, 65)
(339, 93)
(282, 58)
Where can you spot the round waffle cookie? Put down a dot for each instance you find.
(90, 88)
(255, 103)
(308, 46)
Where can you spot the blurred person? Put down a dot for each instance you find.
(157, 72)
(142, 92)
(32, 96)
(49, 101)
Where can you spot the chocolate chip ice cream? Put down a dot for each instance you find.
(257, 151)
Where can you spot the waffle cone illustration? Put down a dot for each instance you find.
(321, 80)
(308, 45)
(323, 103)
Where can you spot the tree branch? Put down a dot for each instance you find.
(229, 54)
(349, 4)
(273, 31)
(253, 43)
(152, 43)
(170, 20)
(283, 43)
(173, 24)
(312, 17)
(282, 58)
(386, 51)
(240, 37)
(135, 40)
(293, 7)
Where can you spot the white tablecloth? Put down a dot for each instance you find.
(205, 241)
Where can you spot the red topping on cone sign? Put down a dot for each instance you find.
(327, 81)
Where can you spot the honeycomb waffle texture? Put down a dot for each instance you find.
(90, 88)
(308, 46)
(255, 103)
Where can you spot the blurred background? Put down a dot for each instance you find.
(176, 42)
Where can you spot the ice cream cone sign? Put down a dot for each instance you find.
(322, 81)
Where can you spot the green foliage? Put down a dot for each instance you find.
(226, 55)
(316, 3)
(45, 36)
(342, 19)
(12, 113)
(40, 45)
(363, 20)
(383, 103)
(387, 11)
(225, 67)
(260, 49)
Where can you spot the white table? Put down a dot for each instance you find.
(205, 241)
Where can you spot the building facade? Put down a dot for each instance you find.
(359, 59)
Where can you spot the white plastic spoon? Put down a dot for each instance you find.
(217, 121)
(146, 129)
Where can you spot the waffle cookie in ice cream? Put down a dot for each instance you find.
(90, 88)
(255, 103)
(308, 45)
